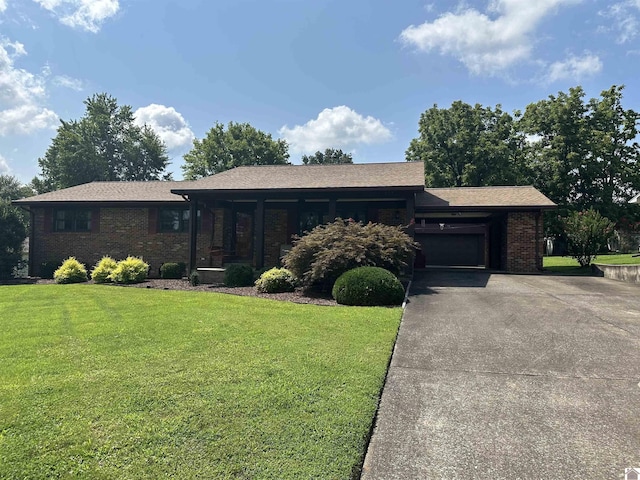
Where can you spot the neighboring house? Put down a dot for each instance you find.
(249, 214)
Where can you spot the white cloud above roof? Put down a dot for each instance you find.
(169, 124)
(86, 15)
(22, 94)
(4, 166)
(3, 5)
(68, 82)
(574, 68)
(338, 127)
(488, 42)
(624, 16)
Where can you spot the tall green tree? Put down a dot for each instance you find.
(104, 144)
(13, 224)
(467, 145)
(236, 145)
(329, 156)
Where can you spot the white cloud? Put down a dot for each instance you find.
(625, 19)
(3, 5)
(84, 14)
(68, 82)
(4, 166)
(338, 127)
(486, 43)
(167, 123)
(21, 94)
(574, 68)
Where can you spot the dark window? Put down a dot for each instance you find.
(175, 220)
(72, 220)
(311, 218)
(354, 212)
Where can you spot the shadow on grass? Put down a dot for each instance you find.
(569, 270)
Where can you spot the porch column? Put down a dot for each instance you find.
(193, 232)
(332, 208)
(260, 233)
(411, 213)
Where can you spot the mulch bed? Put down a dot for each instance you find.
(314, 298)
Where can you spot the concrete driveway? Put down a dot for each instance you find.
(512, 377)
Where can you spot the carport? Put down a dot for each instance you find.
(490, 227)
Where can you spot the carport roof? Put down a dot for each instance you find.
(483, 197)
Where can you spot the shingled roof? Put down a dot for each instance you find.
(486, 197)
(111, 192)
(399, 175)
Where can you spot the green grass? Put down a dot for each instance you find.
(109, 382)
(568, 265)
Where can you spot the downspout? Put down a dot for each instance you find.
(538, 257)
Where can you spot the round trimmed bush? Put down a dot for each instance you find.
(276, 280)
(71, 271)
(172, 270)
(238, 275)
(130, 270)
(102, 270)
(368, 286)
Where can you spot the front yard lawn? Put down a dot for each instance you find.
(110, 382)
(569, 265)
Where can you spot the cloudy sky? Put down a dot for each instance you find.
(350, 74)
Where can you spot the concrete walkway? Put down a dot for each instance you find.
(512, 377)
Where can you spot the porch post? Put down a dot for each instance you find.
(332, 208)
(411, 213)
(260, 233)
(193, 232)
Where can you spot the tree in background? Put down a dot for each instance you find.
(104, 145)
(467, 146)
(330, 156)
(238, 145)
(587, 234)
(13, 224)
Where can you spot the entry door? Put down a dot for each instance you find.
(244, 235)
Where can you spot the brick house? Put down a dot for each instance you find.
(249, 214)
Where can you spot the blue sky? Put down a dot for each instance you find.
(350, 74)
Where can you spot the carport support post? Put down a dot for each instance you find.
(260, 233)
(193, 232)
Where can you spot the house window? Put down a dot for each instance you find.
(309, 219)
(355, 213)
(175, 220)
(72, 220)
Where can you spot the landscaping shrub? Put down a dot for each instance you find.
(71, 271)
(47, 268)
(130, 270)
(276, 280)
(368, 286)
(587, 234)
(12, 234)
(102, 270)
(238, 275)
(172, 270)
(325, 253)
(194, 278)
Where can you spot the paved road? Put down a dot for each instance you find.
(512, 376)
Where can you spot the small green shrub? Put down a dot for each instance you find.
(130, 270)
(47, 268)
(238, 275)
(172, 270)
(368, 286)
(71, 271)
(276, 280)
(102, 270)
(587, 234)
(194, 278)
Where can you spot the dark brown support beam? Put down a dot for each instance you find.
(32, 238)
(193, 232)
(259, 222)
(332, 208)
(411, 213)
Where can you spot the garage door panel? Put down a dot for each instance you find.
(453, 250)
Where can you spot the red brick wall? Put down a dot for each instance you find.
(521, 252)
(121, 232)
(392, 216)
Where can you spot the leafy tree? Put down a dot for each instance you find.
(12, 234)
(12, 189)
(237, 145)
(330, 156)
(466, 146)
(587, 234)
(583, 154)
(104, 144)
